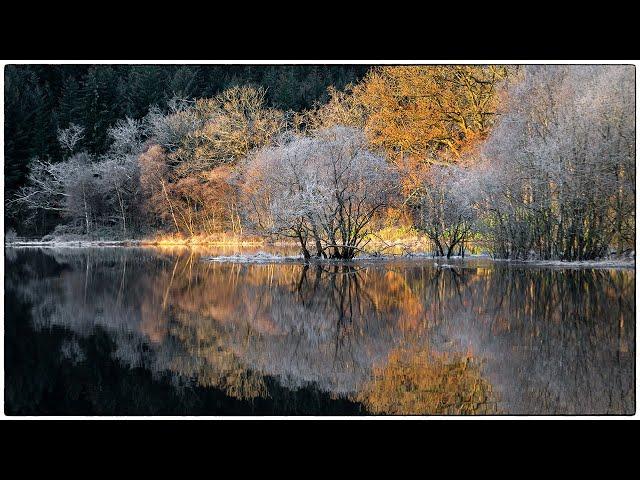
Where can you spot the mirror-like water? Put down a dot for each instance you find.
(126, 331)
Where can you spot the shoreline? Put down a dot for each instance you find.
(135, 243)
(269, 258)
(439, 262)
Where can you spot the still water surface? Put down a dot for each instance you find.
(131, 331)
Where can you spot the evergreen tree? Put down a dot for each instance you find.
(184, 82)
(100, 107)
(69, 107)
(44, 142)
(145, 86)
(22, 97)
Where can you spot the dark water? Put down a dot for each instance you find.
(117, 331)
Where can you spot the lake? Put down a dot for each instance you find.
(165, 331)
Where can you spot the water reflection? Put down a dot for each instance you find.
(392, 338)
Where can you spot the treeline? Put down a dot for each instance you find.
(527, 161)
(40, 99)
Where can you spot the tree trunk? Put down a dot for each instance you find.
(124, 221)
(303, 245)
(164, 189)
(86, 210)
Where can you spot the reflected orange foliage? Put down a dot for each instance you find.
(423, 382)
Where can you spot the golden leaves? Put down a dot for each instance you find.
(429, 111)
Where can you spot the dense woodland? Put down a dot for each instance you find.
(525, 161)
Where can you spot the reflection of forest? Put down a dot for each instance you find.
(400, 338)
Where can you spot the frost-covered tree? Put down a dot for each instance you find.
(67, 187)
(209, 132)
(325, 188)
(169, 129)
(127, 137)
(86, 192)
(558, 172)
(445, 213)
(70, 137)
(118, 179)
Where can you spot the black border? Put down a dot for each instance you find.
(371, 31)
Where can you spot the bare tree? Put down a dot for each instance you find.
(169, 130)
(70, 137)
(209, 132)
(445, 214)
(45, 189)
(558, 176)
(86, 192)
(127, 137)
(326, 188)
(118, 179)
(67, 187)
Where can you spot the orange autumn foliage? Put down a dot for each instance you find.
(432, 113)
(420, 115)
